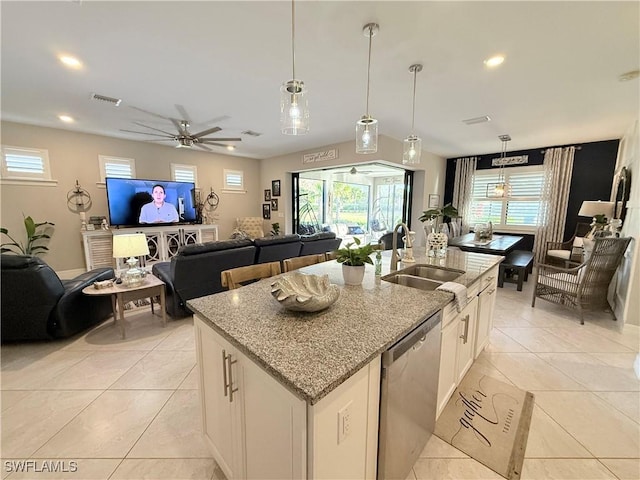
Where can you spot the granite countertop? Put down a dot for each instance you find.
(313, 353)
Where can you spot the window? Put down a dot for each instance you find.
(233, 180)
(25, 164)
(519, 208)
(116, 167)
(184, 173)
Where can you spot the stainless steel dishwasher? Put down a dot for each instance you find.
(408, 398)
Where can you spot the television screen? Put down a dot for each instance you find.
(135, 202)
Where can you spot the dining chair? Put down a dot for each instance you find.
(583, 287)
(238, 277)
(295, 263)
(330, 256)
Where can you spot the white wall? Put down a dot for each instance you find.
(627, 300)
(429, 177)
(74, 156)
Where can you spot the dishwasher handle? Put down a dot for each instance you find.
(411, 339)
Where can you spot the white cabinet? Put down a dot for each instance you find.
(456, 348)
(255, 427)
(486, 303)
(163, 242)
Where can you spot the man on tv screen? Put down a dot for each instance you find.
(158, 211)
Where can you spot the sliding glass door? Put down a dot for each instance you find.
(366, 201)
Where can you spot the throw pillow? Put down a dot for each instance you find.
(238, 235)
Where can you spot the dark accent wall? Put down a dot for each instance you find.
(592, 179)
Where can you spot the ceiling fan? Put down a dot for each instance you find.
(353, 171)
(183, 138)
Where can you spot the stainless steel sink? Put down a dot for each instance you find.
(431, 272)
(412, 281)
(423, 277)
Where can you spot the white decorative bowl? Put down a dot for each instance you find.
(304, 293)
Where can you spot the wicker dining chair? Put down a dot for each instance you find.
(240, 276)
(295, 263)
(583, 287)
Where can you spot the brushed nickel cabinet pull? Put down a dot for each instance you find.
(465, 335)
(224, 372)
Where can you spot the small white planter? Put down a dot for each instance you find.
(352, 275)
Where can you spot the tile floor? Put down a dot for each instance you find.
(129, 409)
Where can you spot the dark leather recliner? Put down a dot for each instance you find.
(37, 305)
(321, 242)
(195, 271)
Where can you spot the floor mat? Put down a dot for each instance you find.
(488, 420)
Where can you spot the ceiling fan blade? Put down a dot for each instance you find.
(161, 140)
(206, 132)
(206, 140)
(204, 147)
(170, 136)
(183, 113)
(215, 120)
(149, 113)
(153, 128)
(213, 143)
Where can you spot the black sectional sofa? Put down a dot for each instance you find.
(195, 270)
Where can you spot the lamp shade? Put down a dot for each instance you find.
(130, 245)
(591, 208)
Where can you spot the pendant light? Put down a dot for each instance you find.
(412, 145)
(367, 126)
(501, 188)
(294, 108)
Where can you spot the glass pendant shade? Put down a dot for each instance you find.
(367, 135)
(294, 108)
(411, 150)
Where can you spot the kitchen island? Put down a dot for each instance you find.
(311, 379)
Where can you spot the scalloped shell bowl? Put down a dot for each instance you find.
(305, 293)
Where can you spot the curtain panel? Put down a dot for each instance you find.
(558, 169)
(462, 187)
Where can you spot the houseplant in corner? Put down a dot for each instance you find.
(436, 238)
(353, 261)
(38, 235)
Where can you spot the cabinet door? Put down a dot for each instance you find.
(217, 411)
(98, 250)
(448, 371)
(274, 437)
(486, 300)
(466, 338)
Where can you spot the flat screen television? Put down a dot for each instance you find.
(126, 197)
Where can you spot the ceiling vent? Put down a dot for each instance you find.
(104, 98)
(251, 133)
(473, 121)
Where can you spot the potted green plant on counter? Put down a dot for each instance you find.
(353, 261)
(38, 235)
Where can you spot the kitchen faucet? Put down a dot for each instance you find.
(394, 245)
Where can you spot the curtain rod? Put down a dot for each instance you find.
(577, 147)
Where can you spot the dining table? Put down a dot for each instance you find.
(497, 245)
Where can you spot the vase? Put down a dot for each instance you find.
(436, 242)
(352, 275)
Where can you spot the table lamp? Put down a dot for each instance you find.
(599, 211)
(132, 246)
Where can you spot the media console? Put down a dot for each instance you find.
(163, 243)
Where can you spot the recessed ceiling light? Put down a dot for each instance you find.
(69, 61)
(494, 61)
(66, 118)
(231, 147)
